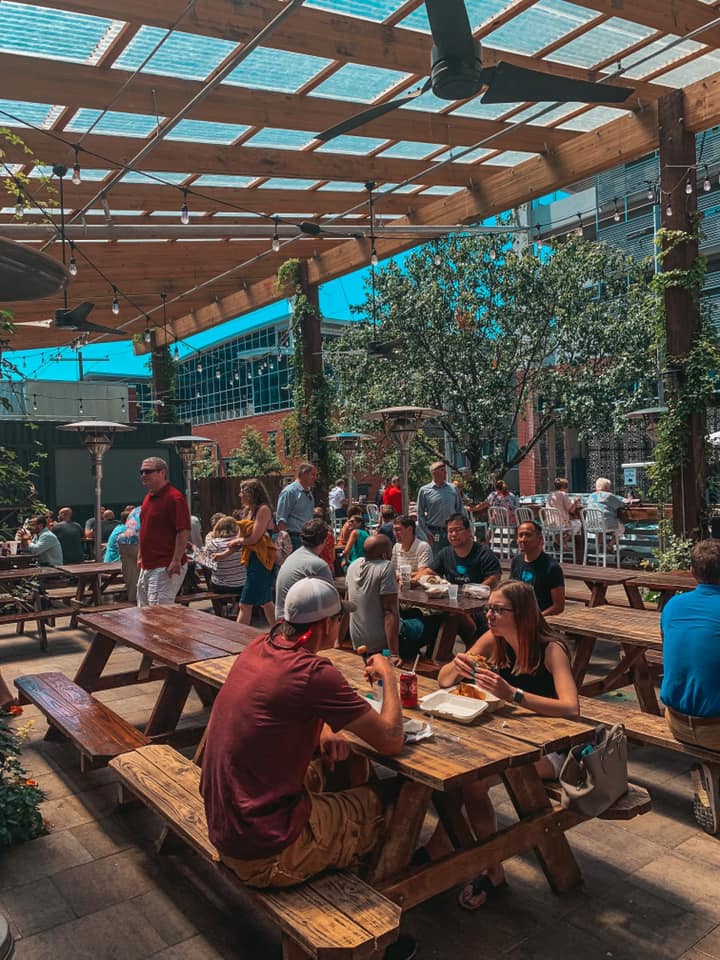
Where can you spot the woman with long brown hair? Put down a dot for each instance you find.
(528, 664)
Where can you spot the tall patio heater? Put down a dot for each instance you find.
(185, 447)
(97, 435)
(401, 425)
(348, 444)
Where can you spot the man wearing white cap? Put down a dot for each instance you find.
(282, 703)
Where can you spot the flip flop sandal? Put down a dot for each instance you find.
(481, 884)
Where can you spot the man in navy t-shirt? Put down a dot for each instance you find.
(534, 567)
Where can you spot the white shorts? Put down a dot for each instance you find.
(158, 586)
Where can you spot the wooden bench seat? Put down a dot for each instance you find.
(40, 616)
(329, 917)
(218, 600)
(96, 730)
(644, 728)
(632, 804)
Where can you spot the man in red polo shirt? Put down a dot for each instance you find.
(164, 533)
(392, 496)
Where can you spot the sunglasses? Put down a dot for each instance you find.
(495, 609)
(150, 470)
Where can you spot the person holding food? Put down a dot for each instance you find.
(522, 660)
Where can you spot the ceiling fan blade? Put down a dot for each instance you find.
(44, 324)
(27, 274)
(510, 84)
(74, 319)
(370, 114)
(450, 28)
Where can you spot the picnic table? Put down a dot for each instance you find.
(637, 631)
(169, 637)
(13, 561)
(597, 580)
(505, 744)
(445, 639)
(667, 584)
(93, 579)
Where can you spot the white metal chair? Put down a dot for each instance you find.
(556, 533)
(524, 515)
(373, 512)
(501, 531)
(595, 526)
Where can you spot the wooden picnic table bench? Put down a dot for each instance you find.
(169, 637)
(24, 588)
(329, 917)
(445, 638)
(597, 580)
(637, 631)
(667, 584)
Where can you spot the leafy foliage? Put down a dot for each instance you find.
(566, 340)
(253, 458)
(17, 490)
(20, 818)
(673, 553)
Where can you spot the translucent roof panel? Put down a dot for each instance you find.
(136, 176)
(478, 11)
(655, 56)
(405, 188)
(440, 191)
(691, 72)
(412, 150)
(350, 185)
(58, 34)
(113, 123)
(359, 83)
(483, 111)
(377, 10)
(479, 154)
(90, 174)
(534, 115)
(287, 183)
(184, 55)
(537, 27)
(592, 119)
(510, 158)
(199, 131)
(358, 146)
(222, 180)
(428, 102)
(600, 43)
(269, 69)
(19, 113)
(280, 139)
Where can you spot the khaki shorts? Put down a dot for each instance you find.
(342, 828)
(697, 731)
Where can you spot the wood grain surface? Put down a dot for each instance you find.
(611, 623)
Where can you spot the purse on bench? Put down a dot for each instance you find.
(594, 775)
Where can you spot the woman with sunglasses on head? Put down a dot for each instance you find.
(530, 666)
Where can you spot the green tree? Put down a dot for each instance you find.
(18, 495)
(253, 458)
(494, 335)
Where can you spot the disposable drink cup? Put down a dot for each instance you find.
(452, 592)
(405, 573)
(13, 547)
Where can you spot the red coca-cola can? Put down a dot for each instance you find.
(408, 689)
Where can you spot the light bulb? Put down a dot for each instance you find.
(668, 209)
(437, 259)
(34, 403)
(80, 408)
(616, 213)
(115, 303)
(217, 374)
(374, 257)
(688, 186)
(492, 254)
(276, 244)
(650, 193)
(72, 266)
(122, 405)
(76, 178)
(199, 367)
(184, 212)
(706, 181)
(176, 353)
(147, 336)
(19, 205)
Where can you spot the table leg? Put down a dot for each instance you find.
(598, 593)
(619, 676)
(449, 808)
(632, 592)
(584, 647)
(169, 705)
(665, 595)
(644, 688)
(95, 590)
(94, 662)
(445, 640)
(403, 831)
(552, 850)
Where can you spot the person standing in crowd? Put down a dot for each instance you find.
(70, 535)
(408, 550)
(392, 495)
(436, 503)
(164, 533)
(338, 499)
(536, 568)
(296, 502)
(228, 575)
(127, 543)
(308, 561)
(40, 542)
(258, 551)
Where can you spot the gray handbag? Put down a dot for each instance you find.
(594, 775)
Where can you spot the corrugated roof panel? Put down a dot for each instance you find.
(113, 123)
(526, 116)
(358, 146)
(359, 83)
(200, 131)
(428, 102)
(655, 56)
(350, 185)
(281, 70)
(406, 188)
(510, 158)
(478, 11)
(534, 29)
(222, 180)
(136, 176)
(186, 55)
(483, 111)
(592, 119)
(474, 155)
(377, 10)
(26, 113)
(287, 183)
(238, 214)
(440, 191)
(45, 171)
(691, 72)
(58, 34)
(412, 150)
(280, 139)
(600, 43)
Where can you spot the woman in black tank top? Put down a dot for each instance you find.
(530, 665)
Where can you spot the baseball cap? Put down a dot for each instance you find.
(311, 600)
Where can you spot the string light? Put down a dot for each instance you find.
(122, 405)
(184, 211)
(688, 185)
(437, 259)
(34, 401)
(19, 202)
(147, 335)
(80, 407)
(651, 192)
(668, 208)
(374, 257)
(115, 302)
(76, 178)
(218, 373)
(199, 366)
(616, 212)
(706, 181)
(579, 228)
(492, 253)
(72, 266)
(176, 354)
(276, 238)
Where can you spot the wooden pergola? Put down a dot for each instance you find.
(126, 230)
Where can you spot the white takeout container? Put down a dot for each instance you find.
(447, 705)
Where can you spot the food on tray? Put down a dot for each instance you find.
(469, 690)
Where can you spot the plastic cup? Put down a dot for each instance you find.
(405, 574)
(452, 592)
(13, 545)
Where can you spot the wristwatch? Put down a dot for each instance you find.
(519, 695)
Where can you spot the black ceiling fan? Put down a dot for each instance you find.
(457, 73)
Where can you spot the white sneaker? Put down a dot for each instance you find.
(705, 800)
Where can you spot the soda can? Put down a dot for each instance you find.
(408, 689)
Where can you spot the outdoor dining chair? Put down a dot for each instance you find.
(501, 531)
(523, 515)
(557, 534)
(373, 513)
(595, 527)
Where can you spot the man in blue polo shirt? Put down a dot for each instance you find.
(296, 503)
(690, 624)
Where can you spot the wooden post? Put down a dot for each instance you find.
(677, 163)
(312, 374)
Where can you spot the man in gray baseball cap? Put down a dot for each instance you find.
(282, 704)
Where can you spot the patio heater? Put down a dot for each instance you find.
(348, 445)
(401, 425)
(97, 435)
(185, 448)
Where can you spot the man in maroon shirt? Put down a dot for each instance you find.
(164, 533)
(392, 496)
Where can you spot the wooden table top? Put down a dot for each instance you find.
(588, 573)
(673, 580)
(457, 753)
(89, 569)
(614, 623)
(416, 596)
(14, 560)
(22, 573)
(170, 633)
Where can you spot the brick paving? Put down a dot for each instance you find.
(94, 888)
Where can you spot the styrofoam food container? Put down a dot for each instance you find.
(447, 705)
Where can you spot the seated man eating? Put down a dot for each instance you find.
(275, 729)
